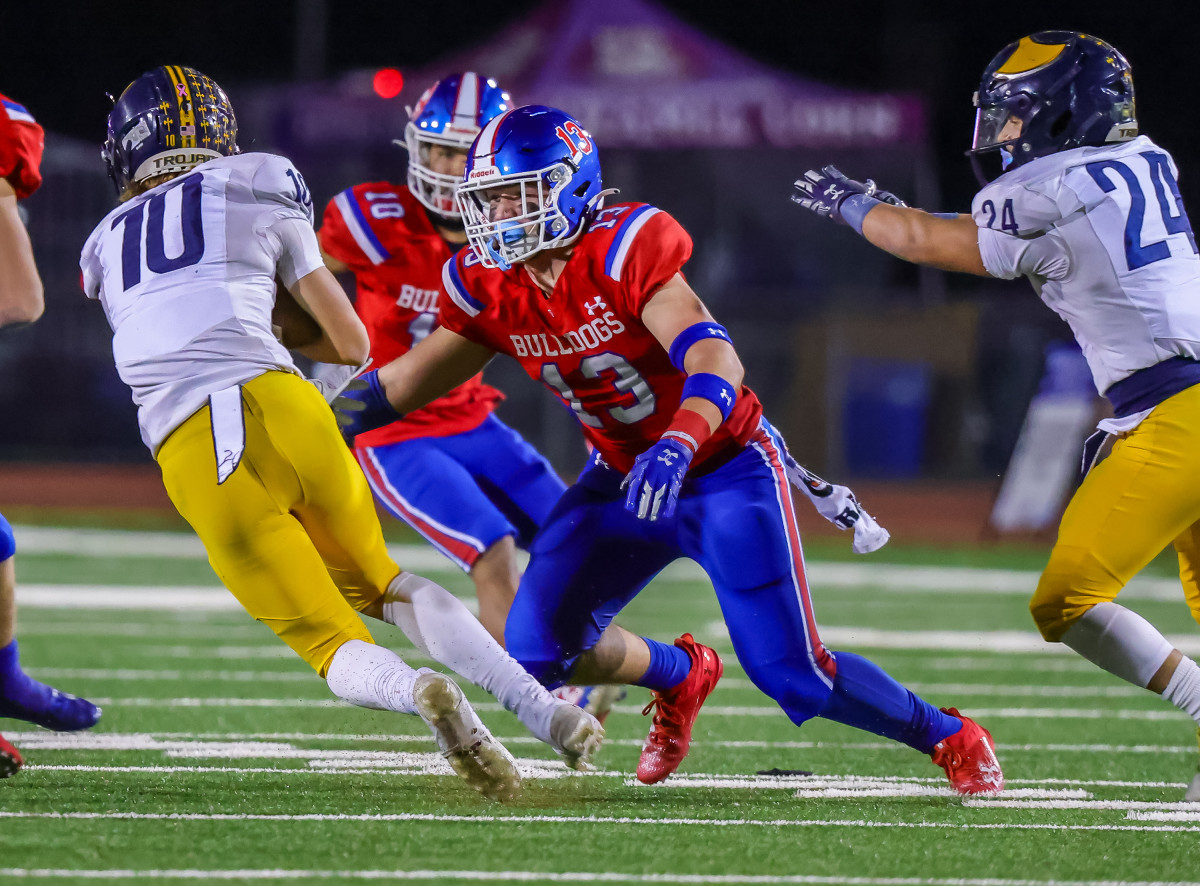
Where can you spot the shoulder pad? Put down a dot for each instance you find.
(393, 206)
(276, 180)
(1022, 209)
(618, 227)
(460, 279)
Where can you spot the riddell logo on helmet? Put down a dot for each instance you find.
(483, 172)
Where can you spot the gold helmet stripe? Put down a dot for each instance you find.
(1029, 56)
(185, 101)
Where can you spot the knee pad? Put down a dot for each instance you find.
(1073, 582)
(8, 542)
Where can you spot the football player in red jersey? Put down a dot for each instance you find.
(591, 302)
(472, 486)
(452, 470)
(21, 301)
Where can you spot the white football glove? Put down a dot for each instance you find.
(332, 378)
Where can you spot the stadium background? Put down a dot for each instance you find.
(912, 383)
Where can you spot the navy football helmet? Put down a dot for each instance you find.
(167, 120)
(551, 162)
(1049, 92)
(450, 113)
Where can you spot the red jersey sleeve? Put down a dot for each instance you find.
(651, 249)
(21, 143)
(462, 311)
(335, 237)
(368, 224)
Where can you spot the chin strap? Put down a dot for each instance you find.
(597, 202)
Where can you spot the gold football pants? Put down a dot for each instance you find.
(292, 532)
(1141, 498)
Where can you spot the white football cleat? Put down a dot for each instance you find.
(599, 700)
(575, 735)
(468, 746)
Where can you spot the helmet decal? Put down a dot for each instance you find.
(169, 120)
(1029, 56)
(1052, 91)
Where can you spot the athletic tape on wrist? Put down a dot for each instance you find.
(855, 208)
(690, 428)
(693, 334)
(712, 388)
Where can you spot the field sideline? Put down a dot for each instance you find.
(221, 757)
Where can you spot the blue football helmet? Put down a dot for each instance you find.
(167, 120)
(450, 113)
(548, 163)
(1049, 92)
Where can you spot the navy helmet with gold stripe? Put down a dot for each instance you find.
(1052, 91)
(167, 120)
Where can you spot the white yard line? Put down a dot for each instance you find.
(43, 740)
(131, 675)
(200, 599)
(869, 574)
(827, 786)
(836, 637)
(134, 675)
(525, 820)
(709, 710)
(550, 877)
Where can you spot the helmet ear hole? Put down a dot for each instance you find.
(1060, 124)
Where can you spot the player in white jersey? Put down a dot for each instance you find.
(1090, 212)
(186, 269)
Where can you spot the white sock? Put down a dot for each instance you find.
(1183, 689)
(372, 677)
(1119, 641)
(445, 630)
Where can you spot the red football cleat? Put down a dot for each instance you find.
(10, 759)
(671, 729)
(969, 758)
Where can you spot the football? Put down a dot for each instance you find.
(293, 325)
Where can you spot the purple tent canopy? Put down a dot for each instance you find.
(639, 77)
(634, 74)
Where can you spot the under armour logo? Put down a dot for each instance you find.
(833, 192)
(717, 333)
(667, 456)
(594, 306)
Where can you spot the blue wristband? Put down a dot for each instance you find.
(713, 388)
(855, 208)
(376, 411)
(693, 334)
(949, 215)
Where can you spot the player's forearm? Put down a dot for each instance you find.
(951, 244)
(21, 298)
(440, 363)
(715, 357)
(323, 350)
(343, 338)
